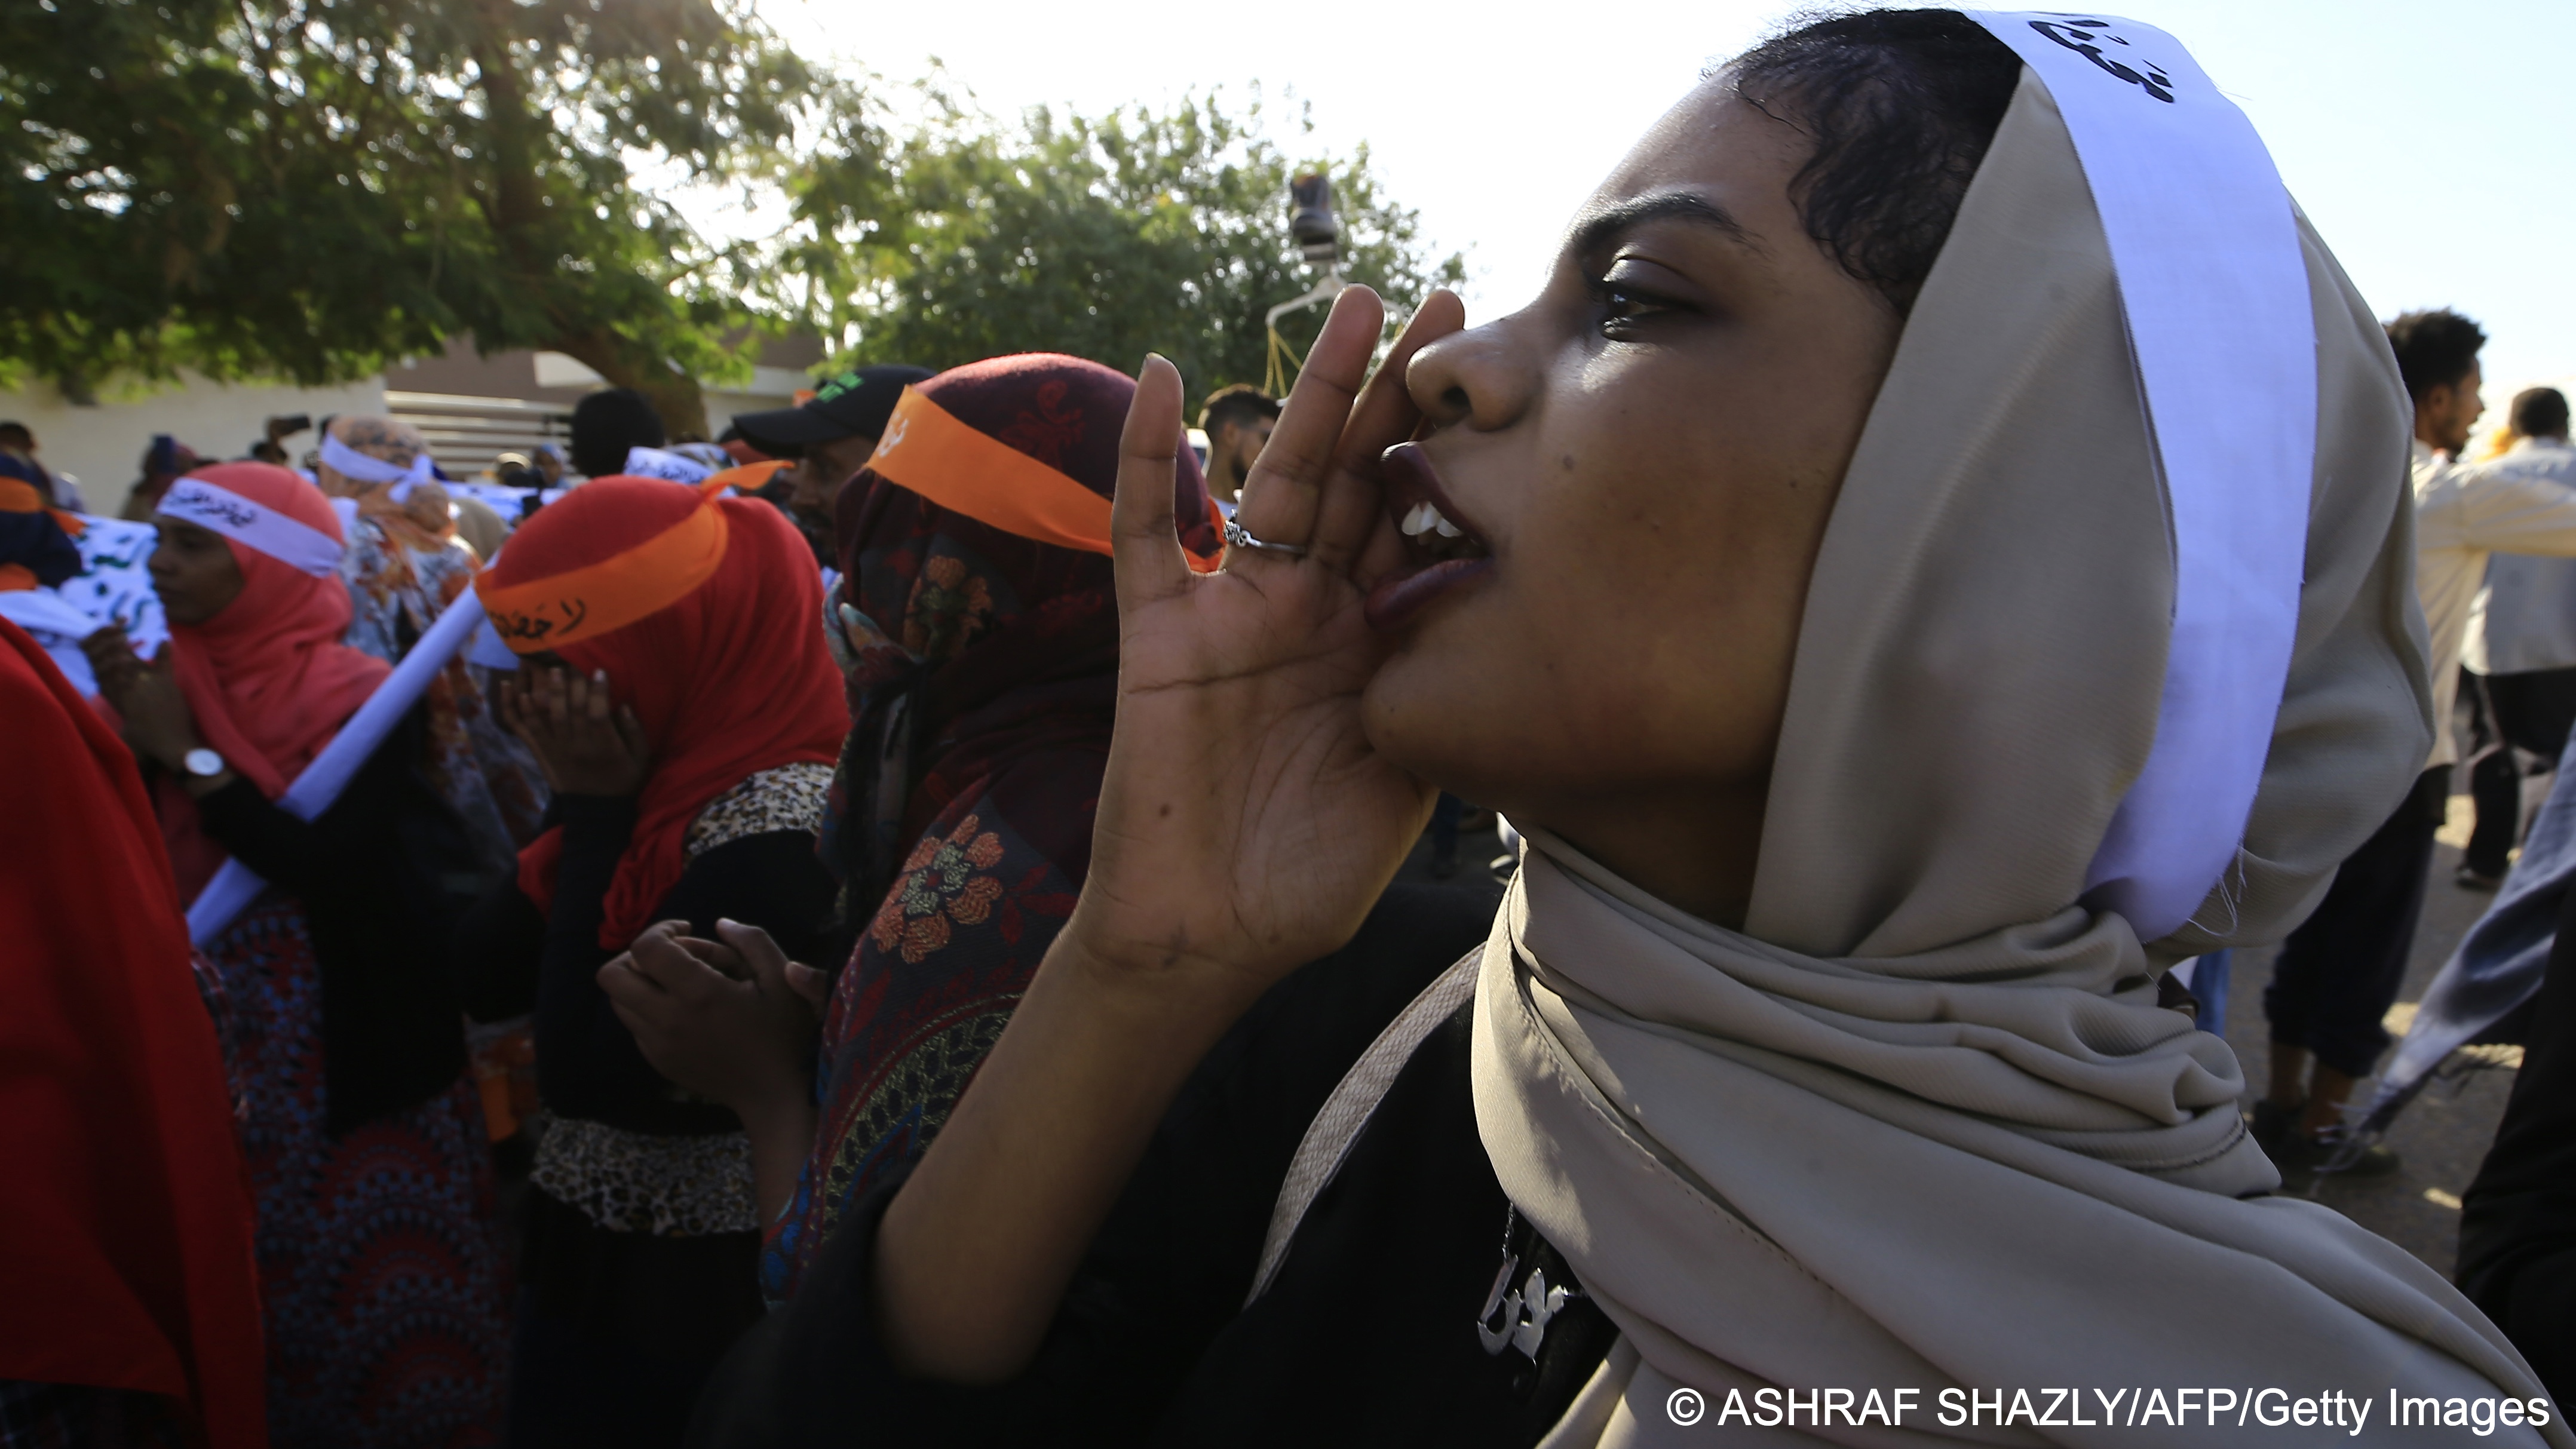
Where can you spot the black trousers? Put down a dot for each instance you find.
(2337, 974)
(2530, 711)
(2518, 1219)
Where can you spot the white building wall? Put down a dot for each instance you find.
(103, 446)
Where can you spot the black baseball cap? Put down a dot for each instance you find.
(855, 404)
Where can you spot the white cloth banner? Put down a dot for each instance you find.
(235, 886)
(58, 628)
(113, 588)
(2205, 241)
(297, 545)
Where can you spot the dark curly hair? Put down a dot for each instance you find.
(1901, 105)
(2435, 348)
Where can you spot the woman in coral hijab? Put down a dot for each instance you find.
(377, 1235)
(125, 1235)
(675, 683)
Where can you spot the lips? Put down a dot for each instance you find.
(1442, 545)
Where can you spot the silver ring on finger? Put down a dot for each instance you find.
(1236, 536)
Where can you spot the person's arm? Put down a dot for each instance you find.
(1245, 825)
(771, 881)
(294, 855)
(1165, 1273)
(2505, 509)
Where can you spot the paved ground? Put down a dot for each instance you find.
(2440, 1139)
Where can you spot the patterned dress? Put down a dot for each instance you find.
(380, 1253)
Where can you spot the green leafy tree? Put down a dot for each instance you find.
(1105, 238)
(309, 188)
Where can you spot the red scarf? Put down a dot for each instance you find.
(718, 648)
(268, 680)
(125, 1234)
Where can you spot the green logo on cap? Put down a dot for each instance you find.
(837, 386)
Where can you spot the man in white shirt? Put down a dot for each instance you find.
(1237, 421)
(2521, 648)
(2337, 975)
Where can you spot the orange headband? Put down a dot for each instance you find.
(18, 496)
(751, 476)
(926, 449)
(565, 608)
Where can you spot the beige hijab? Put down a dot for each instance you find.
(1921, 1124)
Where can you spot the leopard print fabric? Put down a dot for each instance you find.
(787, 798)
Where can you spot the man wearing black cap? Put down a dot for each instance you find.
(830, 438)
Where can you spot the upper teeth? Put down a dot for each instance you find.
(1426, 519)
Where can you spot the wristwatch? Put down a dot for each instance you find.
(203, 763)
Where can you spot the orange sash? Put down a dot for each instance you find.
(926, 449)
(549, 613)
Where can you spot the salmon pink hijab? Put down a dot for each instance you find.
(706, 612)
(267, 679)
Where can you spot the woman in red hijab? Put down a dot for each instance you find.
(676, 687)
(125, 1236)
(377, 1240)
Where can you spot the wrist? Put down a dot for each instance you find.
(1159, 983)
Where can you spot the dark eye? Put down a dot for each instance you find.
(1620, 304)
(1626, 306)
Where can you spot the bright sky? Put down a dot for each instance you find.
(2428, 141)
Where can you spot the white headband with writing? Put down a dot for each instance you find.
(355, 464)
(255, 525)
(2204, 239)
(643, 462)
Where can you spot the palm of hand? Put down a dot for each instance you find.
(584, 745)
(1242, 773)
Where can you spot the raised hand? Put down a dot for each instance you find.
(1246, 825)
(146, 696)
(585, 743)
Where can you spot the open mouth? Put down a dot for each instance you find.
(1423, 511)
(1442, 548)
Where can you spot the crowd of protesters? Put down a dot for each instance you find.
(883, 928)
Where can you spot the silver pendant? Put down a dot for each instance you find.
(1524, 1311)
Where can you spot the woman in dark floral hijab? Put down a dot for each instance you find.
(977, 628)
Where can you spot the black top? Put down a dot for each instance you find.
(2518, 1219)
(378, 874)
(1369, 1333)
(512, 958)
(680, 1298)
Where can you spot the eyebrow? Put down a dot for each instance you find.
(1597, 228)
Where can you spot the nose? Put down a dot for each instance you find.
(1485, 377)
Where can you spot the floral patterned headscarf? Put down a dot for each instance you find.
(982, 670)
